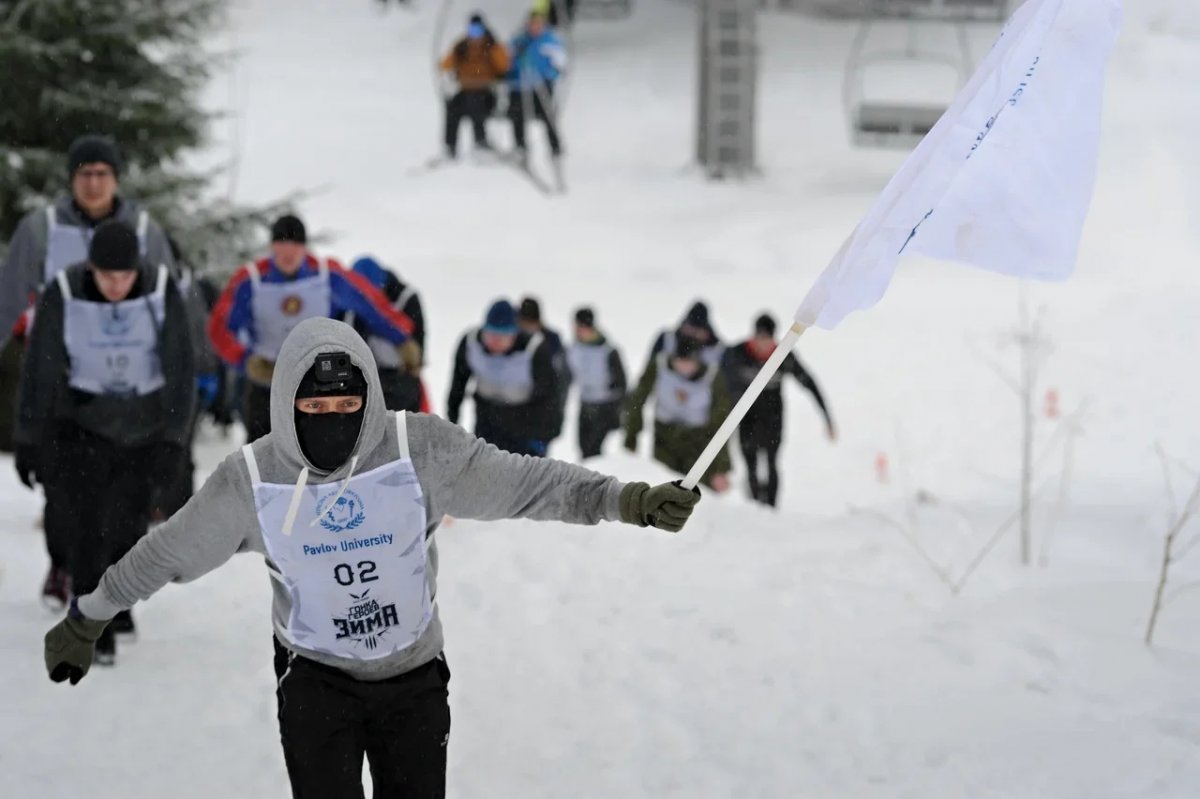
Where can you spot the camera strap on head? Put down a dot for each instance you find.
(333, 374)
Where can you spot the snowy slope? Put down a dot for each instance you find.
(809, 652)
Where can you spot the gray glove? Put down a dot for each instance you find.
(70, 646)
(666, 506)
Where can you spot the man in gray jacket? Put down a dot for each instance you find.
(55, 236)
(47, 241)
(342, 499)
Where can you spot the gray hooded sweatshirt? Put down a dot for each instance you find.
(459, 474)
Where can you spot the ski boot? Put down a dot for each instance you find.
(122, 624)
(106, 648)
(56, 590)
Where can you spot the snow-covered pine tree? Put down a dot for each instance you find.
(132, 69)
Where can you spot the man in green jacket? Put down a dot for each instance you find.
(690, 403)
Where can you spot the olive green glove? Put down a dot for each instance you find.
(666, 506)
(259, 370)
(70, 646)
(410, 356)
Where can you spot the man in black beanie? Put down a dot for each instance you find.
(761, 431)
(105, 404)
(690, 403)
(343, 499)
(265, 300)
(600, 374)
(55, 236)
(529, 319)
(697, 326)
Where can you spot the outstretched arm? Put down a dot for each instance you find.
(353, 292)
(793, 366)
(471, 479)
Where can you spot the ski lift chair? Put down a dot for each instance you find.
(603, 9)
(943, 10)
(895, 124)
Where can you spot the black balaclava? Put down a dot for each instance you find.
(328, 439)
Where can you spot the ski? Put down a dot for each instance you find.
(437, 162)
(560, 177)
(522, 165)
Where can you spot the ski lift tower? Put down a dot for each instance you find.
(728, 62)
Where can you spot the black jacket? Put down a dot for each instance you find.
(46, 401)
(535, 419)
(740, 367)
(393, 289)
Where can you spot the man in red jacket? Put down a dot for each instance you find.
(761, 432)
(265, 300)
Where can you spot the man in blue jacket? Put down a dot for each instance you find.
(265, 300)
(538, 58)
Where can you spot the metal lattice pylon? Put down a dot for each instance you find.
(728, 63)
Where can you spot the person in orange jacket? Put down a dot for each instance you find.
(478, 62)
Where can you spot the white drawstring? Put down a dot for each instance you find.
(331, 505)
(294, 507)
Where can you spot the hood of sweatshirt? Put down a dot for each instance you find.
(309, 339)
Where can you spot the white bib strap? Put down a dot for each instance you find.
(252, 271)
(251, 464)
(402, 435)
(160, 288)
(323, 268)
(406, 295)
(535, 342)
(64, 285)
(289, 521)
(142, 224)
(51, 220)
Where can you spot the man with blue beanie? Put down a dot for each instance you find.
(515, 383)
(402, 387)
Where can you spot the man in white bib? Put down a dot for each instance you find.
(105, 404)
(49, 239)
(690, 403)
(342, 499)
(600, 375)
(514, 382)
(264, 301)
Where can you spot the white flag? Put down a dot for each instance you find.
(1003, 181)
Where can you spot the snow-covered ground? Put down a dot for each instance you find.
(809, 652)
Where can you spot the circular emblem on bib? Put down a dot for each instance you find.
(345, 514)
(291, 305)
(116, 324)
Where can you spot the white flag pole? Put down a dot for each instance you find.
(782, 350)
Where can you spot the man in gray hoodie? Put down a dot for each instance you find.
(342, 499)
